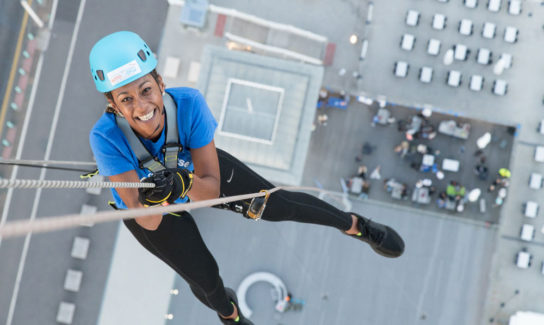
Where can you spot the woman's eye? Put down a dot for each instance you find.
(147, 90)
(125, 100)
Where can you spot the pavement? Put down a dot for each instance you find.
(341, 280)
(338, 143)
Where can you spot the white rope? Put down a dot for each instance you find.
(47, 224)
(34, 183)
(48, 162)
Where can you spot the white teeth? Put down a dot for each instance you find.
(147, 116)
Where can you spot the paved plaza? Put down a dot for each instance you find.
(338, 143)
(342, 281)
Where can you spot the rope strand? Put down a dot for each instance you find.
(48, 162)
(34, 183)
(47, 224)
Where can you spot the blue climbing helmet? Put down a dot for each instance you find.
(119, 59)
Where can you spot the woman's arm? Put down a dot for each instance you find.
(130, 198)
(206, 181)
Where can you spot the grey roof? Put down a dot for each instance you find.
(265, 108)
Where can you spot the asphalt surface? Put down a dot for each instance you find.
(440, 279)
(41, 285)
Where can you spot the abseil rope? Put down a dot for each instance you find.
(47, 224)
(48, 162)
(34, 183)
(46, 166)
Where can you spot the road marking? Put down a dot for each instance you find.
(14, 64)
(46, 157)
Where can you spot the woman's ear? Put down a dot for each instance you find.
(162, 86)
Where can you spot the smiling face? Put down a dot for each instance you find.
(140, 102)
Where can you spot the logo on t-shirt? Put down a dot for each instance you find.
(183, 163)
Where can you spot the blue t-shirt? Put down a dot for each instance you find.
(196, 128)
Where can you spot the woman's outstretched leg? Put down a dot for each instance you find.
(237, 178)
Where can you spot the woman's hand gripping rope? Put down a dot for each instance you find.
(170, 184)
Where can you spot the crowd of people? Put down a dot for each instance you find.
(416, 148)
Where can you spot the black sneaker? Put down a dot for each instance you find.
(241, 320)
(383, 239)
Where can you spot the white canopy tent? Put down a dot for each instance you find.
(526, 318)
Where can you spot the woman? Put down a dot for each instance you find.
(123, 68)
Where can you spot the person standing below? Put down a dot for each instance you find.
(141, 117)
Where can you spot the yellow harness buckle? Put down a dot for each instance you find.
(257, 205)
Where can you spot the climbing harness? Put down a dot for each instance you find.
(171, 147)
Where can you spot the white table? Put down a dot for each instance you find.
(428, 160)
(451, 165)
(527, 232)
(539, 154)
(523, 260)
(531, 209)
(535, 182)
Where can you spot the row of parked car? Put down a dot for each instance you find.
(454, 78)
(465, 26)
(514, 6)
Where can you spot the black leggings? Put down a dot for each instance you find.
(178, 243)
